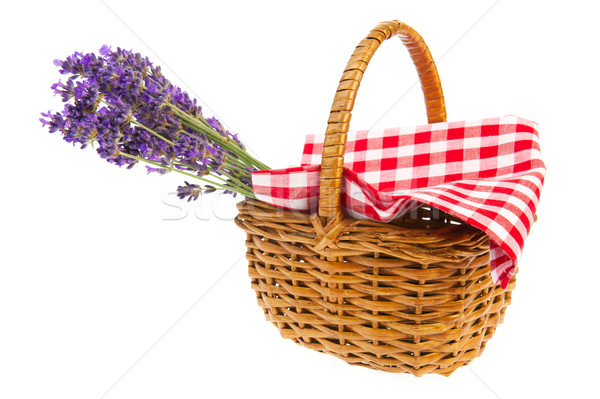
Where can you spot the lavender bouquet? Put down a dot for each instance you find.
(120, 103)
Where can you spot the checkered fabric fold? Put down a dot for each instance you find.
(487, 173)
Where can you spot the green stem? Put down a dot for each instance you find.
(201, 126)
(234, 161)
(230, 170)
(237, 189)
(243, 156)
(233, 180)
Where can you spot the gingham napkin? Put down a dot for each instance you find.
(486, 172)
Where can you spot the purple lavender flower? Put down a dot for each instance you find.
(121, 103)
(189, 191)
(54, 121)
(160, 171)
(193, 191)
(104, 50)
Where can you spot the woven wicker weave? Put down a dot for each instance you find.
(413, 296)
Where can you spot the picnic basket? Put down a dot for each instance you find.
(411, 296)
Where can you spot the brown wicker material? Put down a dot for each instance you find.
(413, 296)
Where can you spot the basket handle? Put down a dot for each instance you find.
(332, 163)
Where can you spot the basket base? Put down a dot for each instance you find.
(395, 361)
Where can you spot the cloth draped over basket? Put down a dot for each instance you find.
(487, 173)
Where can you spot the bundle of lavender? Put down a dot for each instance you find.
(120, 103)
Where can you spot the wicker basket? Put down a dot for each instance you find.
(413, 296)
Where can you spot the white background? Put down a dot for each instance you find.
(112, 288)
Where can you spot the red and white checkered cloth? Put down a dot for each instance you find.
(487, 172)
